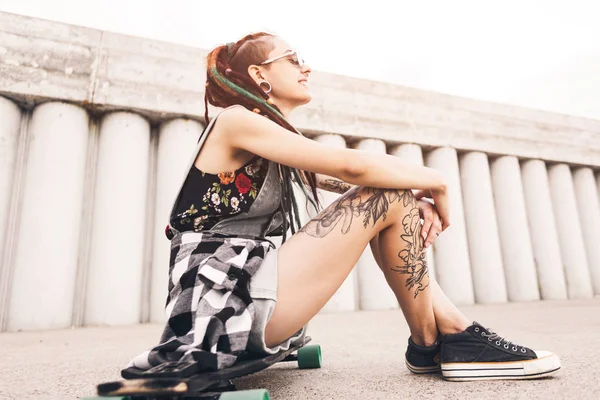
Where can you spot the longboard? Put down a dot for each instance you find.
(176, 381)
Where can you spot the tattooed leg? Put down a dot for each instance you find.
(315, 261)
(427, 296)
(400, 253)
(352, 207)
(448, 318)
(414, 263)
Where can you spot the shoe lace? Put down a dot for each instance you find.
(491, 335)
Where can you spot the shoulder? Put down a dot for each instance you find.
(237, 117)
(232, 113)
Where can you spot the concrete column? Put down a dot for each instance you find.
(176, 145)
(598, 183)
(588, 206)
(542, 228)
(579, 284)
(482, 229)
(412, 153)
(373, 291)
(10, 121)
(47, 238)
(346, 298)
(453, 269)
(517, 253)
(114, 286)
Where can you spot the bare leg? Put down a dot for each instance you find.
(315, 261)
(407, 275)
(447, 317)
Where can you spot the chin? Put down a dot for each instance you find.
(304, 99)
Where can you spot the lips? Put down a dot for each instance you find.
(303, 82)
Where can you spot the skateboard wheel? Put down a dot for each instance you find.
(309, 357)
(258, 394)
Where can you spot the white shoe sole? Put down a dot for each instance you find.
(422, 370)
(546, 364)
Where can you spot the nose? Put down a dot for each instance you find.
(306, 69)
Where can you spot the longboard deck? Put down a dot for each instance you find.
(205, 384)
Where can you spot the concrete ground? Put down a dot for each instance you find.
(362, 354)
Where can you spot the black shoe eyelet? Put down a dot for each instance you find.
(523, 351)
(506, 346)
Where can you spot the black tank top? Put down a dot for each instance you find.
(208, 198)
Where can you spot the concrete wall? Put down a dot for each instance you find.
(96, 129)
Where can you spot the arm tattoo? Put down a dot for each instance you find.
(413, 255)
(350, 206)
(335, 185)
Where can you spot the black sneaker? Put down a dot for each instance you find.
(421, 359)
(480, 354)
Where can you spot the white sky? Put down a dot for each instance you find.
(534, 53)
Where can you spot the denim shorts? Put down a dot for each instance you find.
(263, 290)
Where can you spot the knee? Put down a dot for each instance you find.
(395, 200)
(404, 197)
(394, 203)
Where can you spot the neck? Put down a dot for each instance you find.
(285, 108)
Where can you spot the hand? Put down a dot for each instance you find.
(435, 215)
(432, 225)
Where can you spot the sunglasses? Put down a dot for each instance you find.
(294, 56)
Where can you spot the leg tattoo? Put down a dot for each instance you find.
(413, 255)
(351, 205)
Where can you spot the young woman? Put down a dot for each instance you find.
(232, 291)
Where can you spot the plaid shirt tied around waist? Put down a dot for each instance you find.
(209, 308)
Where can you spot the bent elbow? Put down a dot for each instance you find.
(354, 166)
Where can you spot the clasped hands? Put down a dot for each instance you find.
(432, 222)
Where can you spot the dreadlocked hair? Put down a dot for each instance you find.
(228, 83)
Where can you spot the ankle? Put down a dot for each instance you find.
(425, 339)
(455, 325)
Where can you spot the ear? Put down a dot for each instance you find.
(255, 73)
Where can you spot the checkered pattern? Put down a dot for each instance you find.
(209, 307)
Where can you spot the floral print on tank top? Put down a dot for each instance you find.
(208, 198)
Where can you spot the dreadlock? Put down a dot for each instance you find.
(228, 83)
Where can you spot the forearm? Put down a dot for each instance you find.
(332, 184)
(387, 171)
